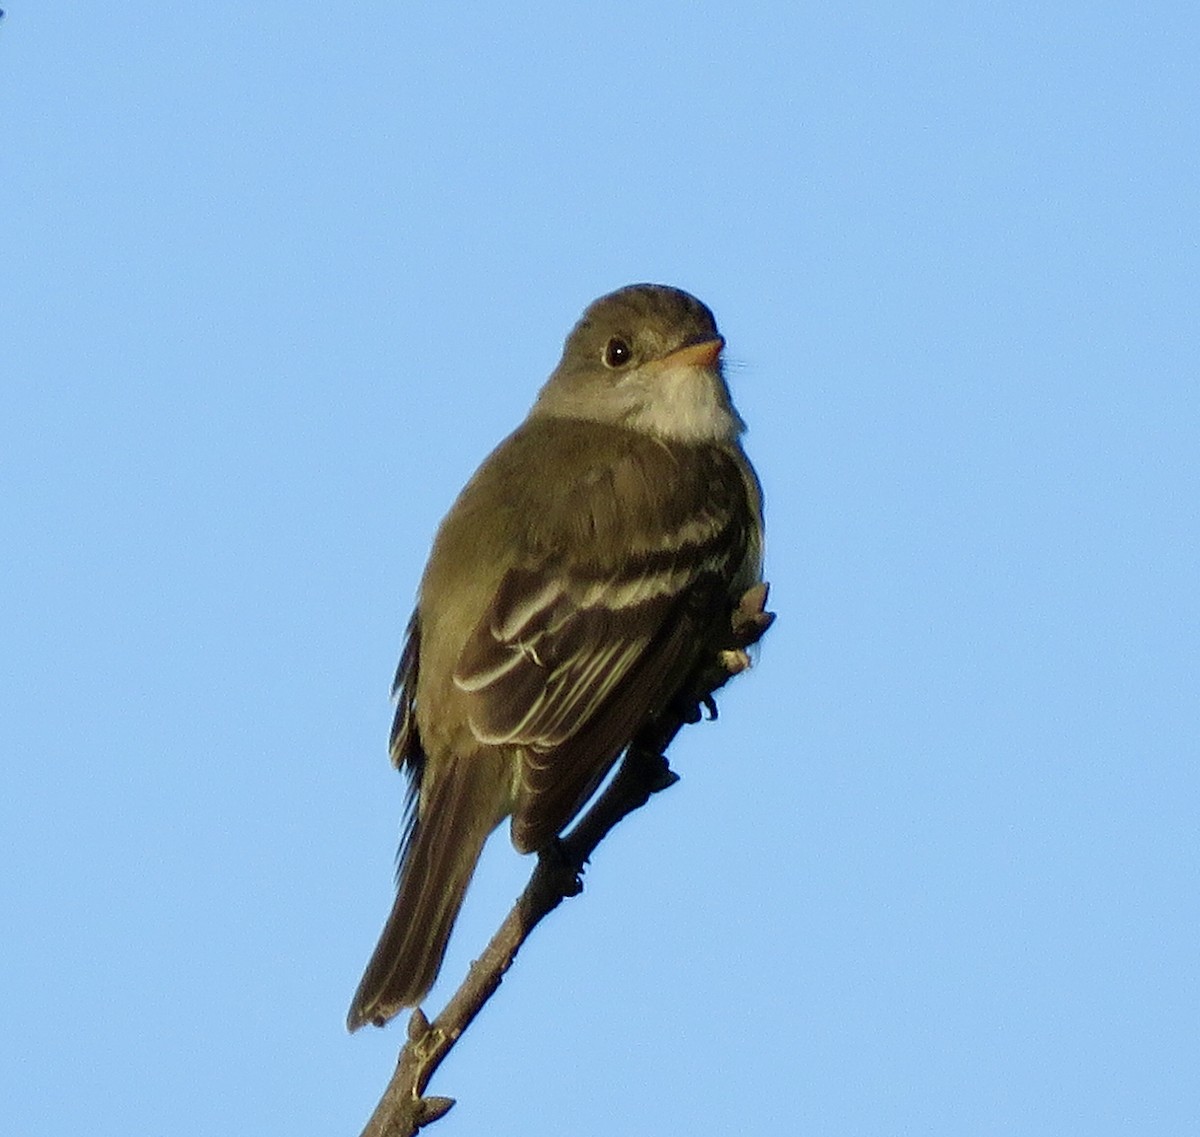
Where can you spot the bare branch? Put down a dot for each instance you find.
(404, 1109)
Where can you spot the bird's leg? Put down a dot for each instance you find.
(750, 619)
(747, 624)
(560, 869)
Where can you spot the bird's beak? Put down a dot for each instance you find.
(696, 354)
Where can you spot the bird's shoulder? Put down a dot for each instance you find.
(586, 488)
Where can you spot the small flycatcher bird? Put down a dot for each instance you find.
(575, 586)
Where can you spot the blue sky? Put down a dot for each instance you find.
(277, 276)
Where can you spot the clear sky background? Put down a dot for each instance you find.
(275, 277)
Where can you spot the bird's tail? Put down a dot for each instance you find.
(436, 866)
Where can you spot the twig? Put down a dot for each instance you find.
(404, 1109)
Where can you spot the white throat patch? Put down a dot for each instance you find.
(685, 403)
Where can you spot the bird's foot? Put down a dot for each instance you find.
(557, 865)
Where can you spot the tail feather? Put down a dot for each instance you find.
(437, 864)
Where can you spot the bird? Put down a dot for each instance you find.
(575, 585)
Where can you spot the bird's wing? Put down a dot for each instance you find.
(571, 658)
(405, 747)
(404, 744)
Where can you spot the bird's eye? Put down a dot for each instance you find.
(617, 352)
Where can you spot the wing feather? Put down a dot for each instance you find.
(569, 661)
